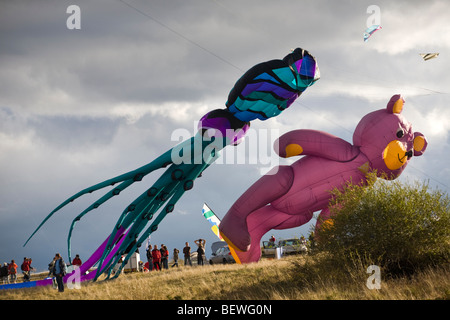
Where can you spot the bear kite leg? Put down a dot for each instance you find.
(269, 187)
(262, 221)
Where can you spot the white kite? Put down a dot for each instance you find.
(213, 219)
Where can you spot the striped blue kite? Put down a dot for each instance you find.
(371, 30)
(263, 92)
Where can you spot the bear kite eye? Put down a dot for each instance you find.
(400, 133)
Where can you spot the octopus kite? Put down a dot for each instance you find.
(383, 141)
(263, 92)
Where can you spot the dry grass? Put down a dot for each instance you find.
(287, 279)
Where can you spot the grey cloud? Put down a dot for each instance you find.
(65, 132)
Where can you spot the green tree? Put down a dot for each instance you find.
(400, 227)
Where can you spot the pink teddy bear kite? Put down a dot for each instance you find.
(383, 141)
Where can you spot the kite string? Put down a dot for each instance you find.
(182, 36)
(221, 5)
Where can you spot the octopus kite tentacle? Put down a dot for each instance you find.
(134, 175)
(262, 92)
(163, 191)
(169, 188)
(187, 183)
(95, 205)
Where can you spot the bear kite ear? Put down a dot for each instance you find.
(395, 105)
(420, 144)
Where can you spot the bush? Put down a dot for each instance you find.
(401, 228)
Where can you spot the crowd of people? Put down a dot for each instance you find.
(158, 259)
(8, 271)
(57, 269)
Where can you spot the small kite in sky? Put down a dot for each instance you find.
(428, 56)
(370, 30)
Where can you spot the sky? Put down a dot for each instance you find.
(79, 106)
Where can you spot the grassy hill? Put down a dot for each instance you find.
(291, 278)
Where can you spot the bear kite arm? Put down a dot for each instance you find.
(315, 143)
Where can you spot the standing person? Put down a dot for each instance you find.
(149, 257)
(303, 240)
(187, 254)
(164, 257)
(156, 255)
(77, 261)
(4, 273)
(200, 251)
(272, 241)
(12, 271)
(26, 269)
(50, 267)
(312, 241)
(175, 257)
(59, 271)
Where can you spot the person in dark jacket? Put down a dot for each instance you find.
(175, 257)
(200, 251)
(4, 273)
(59, 271)
(187, 254)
